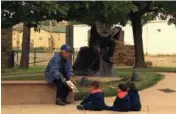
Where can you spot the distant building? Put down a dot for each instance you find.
(159, 38)
(40, 39)
(77, 36)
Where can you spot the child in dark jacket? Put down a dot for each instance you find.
(95, 100)
(135, 103)
(121, 103)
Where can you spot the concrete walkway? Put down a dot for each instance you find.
(154, 101)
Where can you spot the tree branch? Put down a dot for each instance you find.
(146, 8)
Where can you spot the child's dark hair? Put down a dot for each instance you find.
(95, 84)
(123, 87)
(131, 85)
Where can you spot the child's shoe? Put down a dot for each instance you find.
(80, 107)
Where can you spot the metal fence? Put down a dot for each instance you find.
(38, 57)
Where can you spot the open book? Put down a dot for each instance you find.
(72, 86)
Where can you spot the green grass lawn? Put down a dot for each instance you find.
(40, 69)
(30, 70)
(146, 79)
(150, 69)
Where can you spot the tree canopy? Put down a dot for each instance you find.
(169, 10)
(14, 12)
(113, 12)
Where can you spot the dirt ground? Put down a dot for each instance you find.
(162, 61)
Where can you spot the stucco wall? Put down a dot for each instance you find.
(158, 37)
(39, 39)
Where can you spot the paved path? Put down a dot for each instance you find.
(154, 102)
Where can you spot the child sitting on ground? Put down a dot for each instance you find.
(95, 100)
(135, 104)
(121, 103)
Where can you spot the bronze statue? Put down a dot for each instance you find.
(96, 60)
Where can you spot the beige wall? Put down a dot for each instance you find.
(155, 42)
(39, 39)
(16, 39)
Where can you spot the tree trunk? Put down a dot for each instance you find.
(137, 35)
(24, 62)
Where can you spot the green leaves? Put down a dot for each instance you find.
(32, 12)
(87, 12)
(169, 11)
(110, 11)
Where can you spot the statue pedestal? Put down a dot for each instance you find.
(105, 69)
